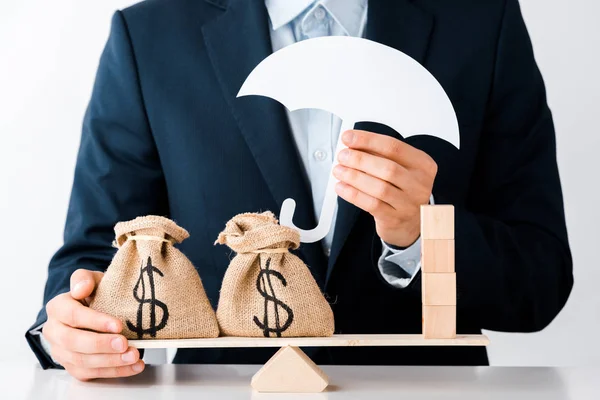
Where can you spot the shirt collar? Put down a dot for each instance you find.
(282, 12)
(347, 12)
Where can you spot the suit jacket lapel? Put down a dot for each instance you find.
(402, 25)
(237, 41)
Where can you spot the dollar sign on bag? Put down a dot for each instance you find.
(152, 302)
(263, 282)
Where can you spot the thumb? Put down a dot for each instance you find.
(84, 282)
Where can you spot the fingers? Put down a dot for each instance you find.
(83, 283)
(86, 374)
(415, 183)
(88, 361)
(74, 314)
(382, 168)
(388, 147)
(371, 186)
(370, 204)
(85, 354)
(81, 341)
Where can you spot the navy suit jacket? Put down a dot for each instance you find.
(164, 134)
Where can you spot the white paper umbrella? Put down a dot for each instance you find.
(357, 80)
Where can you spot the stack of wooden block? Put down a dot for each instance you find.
(438, 274)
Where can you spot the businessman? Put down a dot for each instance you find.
(164, 134)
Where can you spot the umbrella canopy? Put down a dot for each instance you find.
(357, 80)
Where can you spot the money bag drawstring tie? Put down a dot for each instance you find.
(270, 251)
(147, 238)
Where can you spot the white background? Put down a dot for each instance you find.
(49, 52)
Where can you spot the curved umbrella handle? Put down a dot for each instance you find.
(286, 215)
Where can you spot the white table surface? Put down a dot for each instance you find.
(182, 382)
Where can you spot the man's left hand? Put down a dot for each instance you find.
(387, 178)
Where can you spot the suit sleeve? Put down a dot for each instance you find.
(514, 267)
(118, 175)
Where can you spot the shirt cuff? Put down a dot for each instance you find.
(37, 332)
(400, 266)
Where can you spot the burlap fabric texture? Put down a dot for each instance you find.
(152, 287)
(268, 291)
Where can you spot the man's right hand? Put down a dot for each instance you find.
(86, 342)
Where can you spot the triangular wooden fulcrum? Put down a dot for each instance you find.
(290, 371)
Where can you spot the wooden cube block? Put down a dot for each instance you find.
(439, 289)
(439, 322)
(437, 222)
(437, 255)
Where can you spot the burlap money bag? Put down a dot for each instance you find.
(152, 287)
(268, 291)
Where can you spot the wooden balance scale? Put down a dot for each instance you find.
(290, 370)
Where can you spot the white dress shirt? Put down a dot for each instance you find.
(316, 131)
